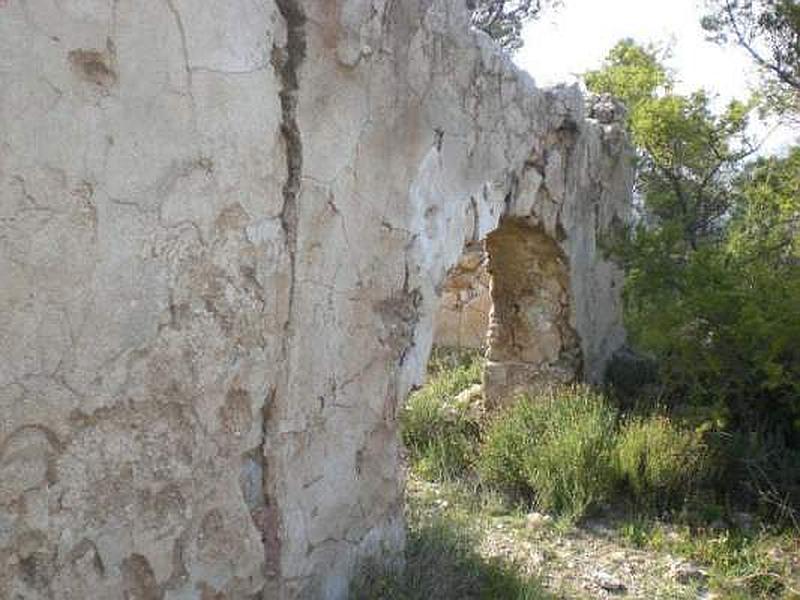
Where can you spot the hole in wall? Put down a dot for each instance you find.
(508, 297)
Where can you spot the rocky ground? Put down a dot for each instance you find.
(587, 562)
(593, 560)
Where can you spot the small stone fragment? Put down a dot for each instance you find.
(537, 520)
(686, 573)
(609, 582)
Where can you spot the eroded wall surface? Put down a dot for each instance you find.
(222, 230)
(462, 318)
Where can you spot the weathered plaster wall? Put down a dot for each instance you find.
(556, 314)
(222, 229)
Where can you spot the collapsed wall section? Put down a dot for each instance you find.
(462, 318)
(222, 233)
(531, 335)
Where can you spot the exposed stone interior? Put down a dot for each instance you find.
(462, 318)
(222, 232)
(531, 336)
(510, 295)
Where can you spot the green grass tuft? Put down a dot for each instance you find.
(442, 435)
(556, 447)
(660, 463)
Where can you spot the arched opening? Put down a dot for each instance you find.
(530, 338)
(509, 297)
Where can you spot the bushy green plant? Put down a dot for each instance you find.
(555, 446)
(631, 382)
(513, 436)
(441, 434)
(760, 467)
(503, 20)
(660, 463)
(571, 470)
(713, 263)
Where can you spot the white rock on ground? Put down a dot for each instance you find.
(222, 229)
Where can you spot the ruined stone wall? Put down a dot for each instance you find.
(222, 230)
(462, 318)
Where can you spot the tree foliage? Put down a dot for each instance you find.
(769, 30)
(713, 269)
(687, 154)
(503, 19)
(631, 73)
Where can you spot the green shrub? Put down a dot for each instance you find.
(630, 377)
(441, 434)
(513, 436)
(660, 463)
(555, 447)
(762, 471)
(572, 469)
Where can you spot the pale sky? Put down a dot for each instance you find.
(576, 37)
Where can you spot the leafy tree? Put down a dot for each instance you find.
(712, 287)
(713, 273)
(503, 19)
(687, 154)
(769, 30)
(766, 226)
(631, 73)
